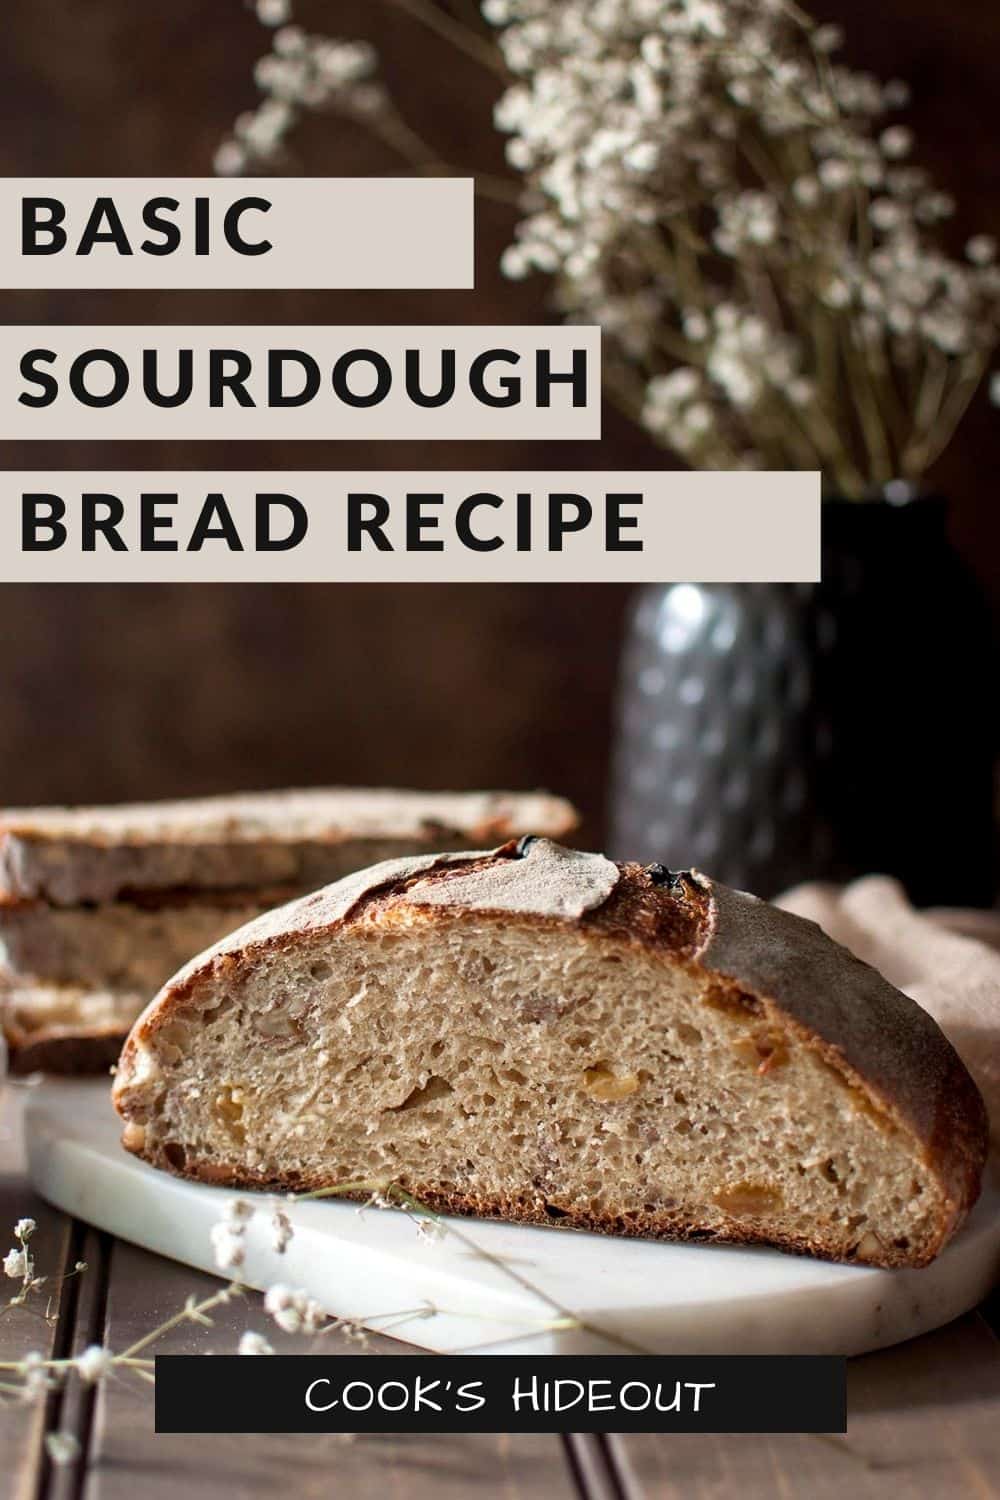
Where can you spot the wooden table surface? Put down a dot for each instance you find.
(924, 1417)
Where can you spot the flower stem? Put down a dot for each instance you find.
(455, 32)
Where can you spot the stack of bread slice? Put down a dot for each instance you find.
(100, 905)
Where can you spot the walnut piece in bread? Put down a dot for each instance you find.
(541, 1035)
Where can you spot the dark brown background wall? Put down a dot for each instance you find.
(122, 692)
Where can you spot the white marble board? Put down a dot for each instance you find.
(488, 1285)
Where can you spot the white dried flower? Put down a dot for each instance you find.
(698, 419)
(748, 219)
(293, 1311)
(290, 41)
(354, 1331)
(836, 294)
(982, 249)
(630, 121)
(835, 174)
(695, 326)
(896, 142)
(806, 191)
(642, 157)
(677, 387)
(514, 263)
(16, 1264)
(431, 1229)
(254, 1343)
(94, 1363)
(274, 12)
(62, 1447)
(282, 1230)
(227, 1246)
(946, 330)
(886, 213)
(278, 1296)
(24, 1229)
(828, 38)
(34, 1374)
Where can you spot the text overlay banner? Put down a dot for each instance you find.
(223, 384)
(248, 233)
(400, 526)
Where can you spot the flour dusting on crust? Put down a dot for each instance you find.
(546, 881)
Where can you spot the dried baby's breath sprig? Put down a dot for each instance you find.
(391, 1195)
(19, 1265)
(305, 73)
(39, 1375)
(63, 1448)
(738, 210)
(282, 1229)
(94, 1364)
(732, 207)
(353, 1330)
(254, 1344)
(430, 1229)
(35, 1375)
(294, 1310)
(228, 1236)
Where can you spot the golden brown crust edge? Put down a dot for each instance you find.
(532, 1207)
(697, 922)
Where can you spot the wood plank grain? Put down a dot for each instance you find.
(22, 1427)
(126, 1457)
(72, 1415)
(923, 1423)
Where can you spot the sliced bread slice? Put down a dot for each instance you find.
(121, 945)
(303, 838)
(57, 1028)
(541, 1035)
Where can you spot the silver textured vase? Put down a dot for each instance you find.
(771, 733)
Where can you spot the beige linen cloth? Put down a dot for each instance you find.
(948, 961)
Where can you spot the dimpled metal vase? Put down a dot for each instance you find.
(771, 733)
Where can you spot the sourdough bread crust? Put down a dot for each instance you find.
(299, 838)
(877, 1041)
(863, 1026)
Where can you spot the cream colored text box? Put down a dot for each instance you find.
(324, 232)
(239, 383)
(691, 527)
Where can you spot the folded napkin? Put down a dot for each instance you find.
(948, 961)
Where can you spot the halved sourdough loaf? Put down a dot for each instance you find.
(69, 856)
(542, 1035)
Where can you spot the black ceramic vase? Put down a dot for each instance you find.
(771, 733)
